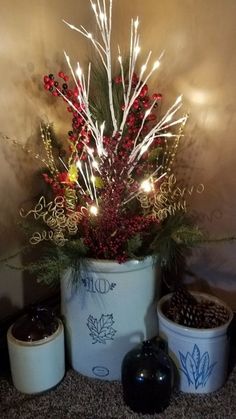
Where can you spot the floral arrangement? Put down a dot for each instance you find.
(115, 196)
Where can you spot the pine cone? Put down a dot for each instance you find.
(214, 314)
(182, 297)
(189, 315)
(184, 309)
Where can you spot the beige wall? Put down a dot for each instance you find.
(200, 62)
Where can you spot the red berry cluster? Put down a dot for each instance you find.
(107, 235)
(58, 183)
(53, 85)
(112, 244)
(136, 114)
(78, 134)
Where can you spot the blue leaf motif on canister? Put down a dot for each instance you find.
(101, 330)
(196, 368)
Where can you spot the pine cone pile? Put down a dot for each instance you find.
(185, 309)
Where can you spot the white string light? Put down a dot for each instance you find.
(102, 11)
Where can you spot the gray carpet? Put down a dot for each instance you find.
(80, 397)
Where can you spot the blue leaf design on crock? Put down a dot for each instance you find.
(101, 330)
(196, 368)
(196, 355)
(209, 373)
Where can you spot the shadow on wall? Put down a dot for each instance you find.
(32, 290)
(22, 186)
(7, 306)
(202, 285)
(18, 289)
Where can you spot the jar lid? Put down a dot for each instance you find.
(38, 323)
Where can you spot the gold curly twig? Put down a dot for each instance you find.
(47, 142)
(169, 199)
(56, 216)
(70, 198)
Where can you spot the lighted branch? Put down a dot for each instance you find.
(103, 16)
(142, 143)
(104, 23)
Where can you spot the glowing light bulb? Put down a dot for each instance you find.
(156, 65)
(179, 99)
(144, 148)
(147, 112)
(99, 149)
(78, 164)
(168, 118)
(90, 150)
(102, 126)
(95, 164)
(79, 71)
(102, 17)
(136, 23)
(93, 209)
(137, 50)
(71, 26)
(146, 186)
(143, 68)
(90, 36)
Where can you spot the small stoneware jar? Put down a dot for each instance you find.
(147, 378)
(201, 355)
(36, 351)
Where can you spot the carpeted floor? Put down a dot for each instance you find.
(83, 398)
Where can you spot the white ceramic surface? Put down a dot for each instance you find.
(37, 366)
(201, 355)
(111, 310)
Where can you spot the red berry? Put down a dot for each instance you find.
(61, 74)
(151, 117)
(157, 96)
(144, 91)
(136, 104)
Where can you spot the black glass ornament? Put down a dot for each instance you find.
(38, 323)
(147, 377)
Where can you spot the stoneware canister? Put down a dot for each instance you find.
(108, 312)
(201, 355)
(37, 365)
